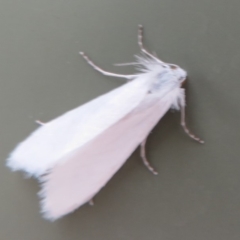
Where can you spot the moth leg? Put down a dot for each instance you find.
(185, 128)
(144, 158)
(140, 43)
(90, 62)
(40, 122)
(91, 202)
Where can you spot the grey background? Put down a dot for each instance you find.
(196, 195)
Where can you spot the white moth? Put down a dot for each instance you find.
(75, 155)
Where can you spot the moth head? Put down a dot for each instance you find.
(180, 73)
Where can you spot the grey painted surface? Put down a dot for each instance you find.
(196, 195)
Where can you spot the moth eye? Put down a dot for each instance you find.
(183, 81)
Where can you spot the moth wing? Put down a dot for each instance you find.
(50, 142)
(83, 173)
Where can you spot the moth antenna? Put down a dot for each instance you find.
(125, 64)
(97, 68)
(142, 47)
